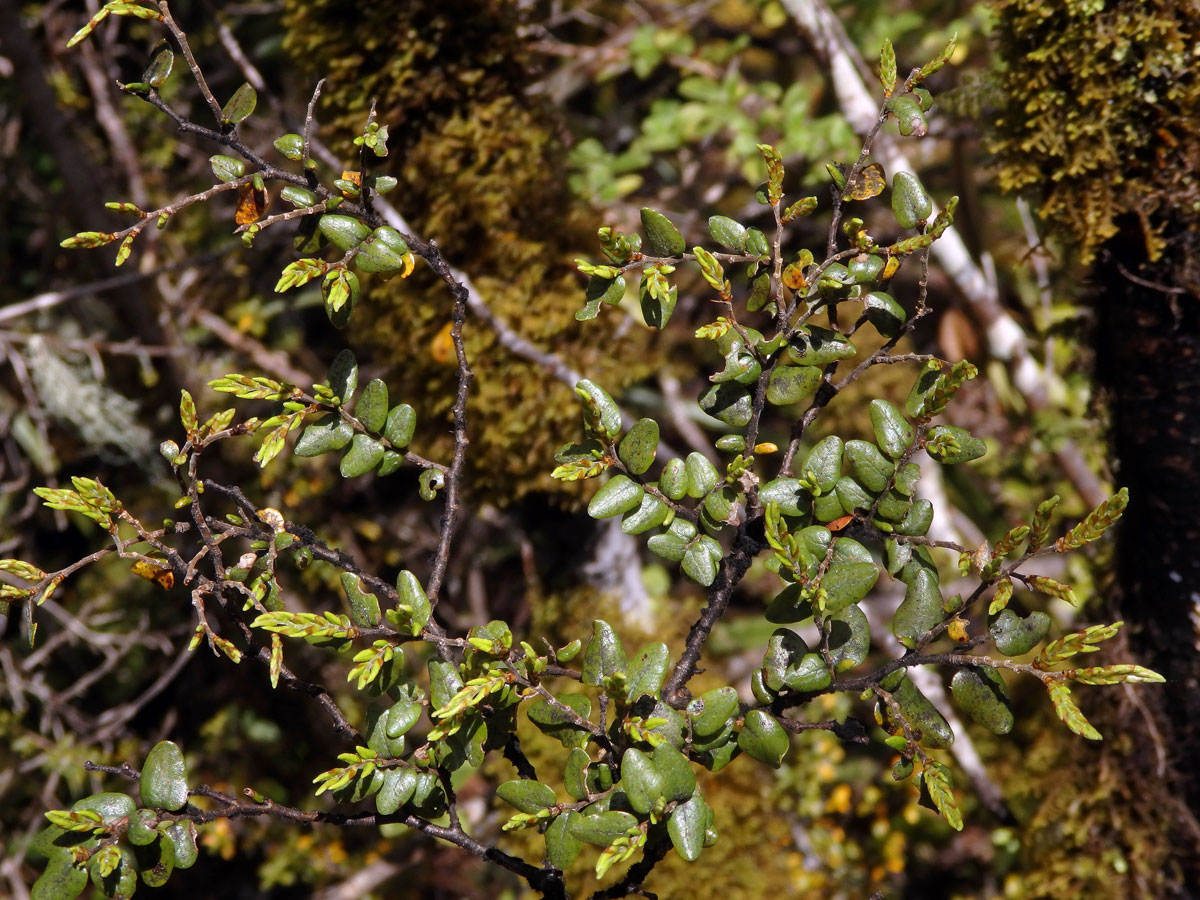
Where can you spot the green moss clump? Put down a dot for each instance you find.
(1098, 110)
(482, 172)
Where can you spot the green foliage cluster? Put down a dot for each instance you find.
(829, 520)
(1103, 94)
(459, 135)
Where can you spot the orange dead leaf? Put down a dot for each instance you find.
(161, 576)
(251, 204)
(839, 524)
(441, 348)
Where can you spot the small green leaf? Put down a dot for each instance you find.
(155, 862)
(921, 609)
(182, 836)
(711, 711)
(160, 69)
(575, 772)
(226, 168)
(728, 233)
(601, 415)
(847, 583)
(372, 406)
(1069, 713)
(647, 670)
(884, 313)
(893, 432)
(701, 473)
(619, 495)
(870, 467)
(661, 237)
(949, 445)
(700, 560)
(329, 434)
(910, 204)
(291, 146)
(729, 402)
(397, 790)
(364, 454)
(639, 446)
(400, 425)
(527, 796)
(651, 513)
(240, 106)
(641, 780)
(907, 110)
(364, 606)
(342, 377)
(164, 777)
(791, 384)
(937, 782)
(559, 723)
(981, 693)
(763, 738)
(923, 717)
(674, 480)
(1016, 636)
(344, 232)
(62, 880)
(678, 778)
(562, 847)
(602, 829)
(687, 827)
(604, 656)
(849, 638)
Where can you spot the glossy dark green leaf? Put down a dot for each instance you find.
(62, 880)
(934, 731)
(816, 346)
(678, 777)
(980, 691)
(618, 495)
(182, 836)
(390, 463)
(114, 871)
(562, 847)
(712, 711)
(241, 105)
(792, 499)
(290, 145)
(602, 829)
(674, 480)
(444, 682)
(527, 796)
(791, 384)
(601, 415)
(400, 424)
(893, 506)
(906, 479)
(884, 313)
(380, 256)
(763, 738)
(686, 827)
(639, 446)
(835, 281)
(661, 237)
(325, 436)
(847, 583)
(342, 377)
(412, 595)
(657, 309)
(919, 393)
(921, 609)
(870, 467)
(731, 443)
(226, 168)
(344, 232)
(1016, 636)
(641, 780)
(160, 68)
(605, 290)
(728, 233)
(729, 402)
(558, 723)
(651, 513)
(647, 670)
(364, 606)
(893, 432)
(164, 777)
(865, 268)
(397, 790)
(917, 520)
(604, 656)
(372, 406)
(364, 454)
(907, 110)
(719, 504)
(575, 773)
(969, 447)
(824, 462)
(789, 606)
(849, 638)
(669, 546)
(910, 204)
(155, 862)
(143, 827)
(700, 560)
(702, 474)
(852, 495)
(297, 196)
(784, 649)
(757, 244)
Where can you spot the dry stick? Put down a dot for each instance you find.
(1005, 337)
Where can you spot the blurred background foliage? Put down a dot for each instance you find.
(518, 128)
